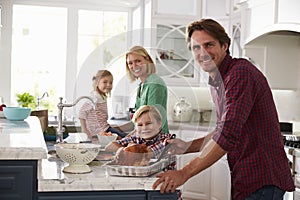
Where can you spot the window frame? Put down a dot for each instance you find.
(72, 37)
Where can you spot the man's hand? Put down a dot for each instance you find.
(170, 180)
(177, 146)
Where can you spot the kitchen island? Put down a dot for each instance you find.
(27, 172)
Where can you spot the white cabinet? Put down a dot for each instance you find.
(165, 25)
(212, 183)
(176, 8)
(220, 180)
(197, 187)
(174, 62)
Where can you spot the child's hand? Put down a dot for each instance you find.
(177, 146)
(105, 133)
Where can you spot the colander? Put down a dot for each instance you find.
(77, 155)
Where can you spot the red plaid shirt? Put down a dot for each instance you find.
(248, 128)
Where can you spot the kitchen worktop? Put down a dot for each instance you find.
(53, 179)
(23, 141)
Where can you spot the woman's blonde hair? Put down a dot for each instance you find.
(147, 109)
(99, 75)
(141, 51)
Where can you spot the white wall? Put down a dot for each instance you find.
(198, 97)
(286, 101)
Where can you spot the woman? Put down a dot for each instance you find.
(152, 89)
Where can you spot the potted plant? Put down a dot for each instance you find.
(27, 100)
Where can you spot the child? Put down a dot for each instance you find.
(148, 126)
(94, 120)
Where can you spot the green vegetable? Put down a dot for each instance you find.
(26, 100)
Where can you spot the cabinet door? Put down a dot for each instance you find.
(197, 187)
(177, 9)
(220, 180)
(17, 180)
(174, 61)
(96, 195)
(155, 195)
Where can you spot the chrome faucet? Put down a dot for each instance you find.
(60, 106)
(40, 98)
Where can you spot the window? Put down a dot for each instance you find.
(51, 47)
(39, 51)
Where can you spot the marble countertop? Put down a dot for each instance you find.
(22, 140)
(51, 178)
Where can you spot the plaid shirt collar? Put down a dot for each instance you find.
(222, 70)
(152, 141)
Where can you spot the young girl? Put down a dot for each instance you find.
(148, 126)
(93, 120)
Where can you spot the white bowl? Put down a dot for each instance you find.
(104, 140)
(77, 155)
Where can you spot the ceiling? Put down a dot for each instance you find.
(120, 3)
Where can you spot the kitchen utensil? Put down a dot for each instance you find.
(77, 155)
(16, 113)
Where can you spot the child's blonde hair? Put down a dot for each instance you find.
(147, 109)
(138, 50)
(99, 75)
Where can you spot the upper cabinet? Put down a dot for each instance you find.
(174, 61)
(165, 23)
(166, 27)
(176, 8)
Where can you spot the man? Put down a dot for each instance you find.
(247, 127)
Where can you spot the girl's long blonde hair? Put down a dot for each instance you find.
(99, 75)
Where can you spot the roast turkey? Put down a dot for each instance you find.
(133, 155)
